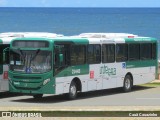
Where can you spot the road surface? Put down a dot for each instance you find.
(139, 96)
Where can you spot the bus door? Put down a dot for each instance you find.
(61, 57)
(61, 62)
(108, 70)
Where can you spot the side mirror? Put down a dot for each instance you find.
(61, 58)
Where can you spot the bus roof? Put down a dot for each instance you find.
(94, 39)
(6, 38)
(29, 34)
(106, 35)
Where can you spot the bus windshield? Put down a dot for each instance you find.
(30, 61)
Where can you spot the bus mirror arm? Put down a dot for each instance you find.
(4, 54)
(4, 57)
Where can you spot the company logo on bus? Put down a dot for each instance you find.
(108, 71)
(76, 71)
(28, 70)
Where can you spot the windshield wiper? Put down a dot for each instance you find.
(21, 53)
(32, 58)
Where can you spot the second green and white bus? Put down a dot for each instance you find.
(87, 62)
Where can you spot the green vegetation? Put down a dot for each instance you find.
(151, 84)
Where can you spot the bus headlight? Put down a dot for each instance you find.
(46, 81)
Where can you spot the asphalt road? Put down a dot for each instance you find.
(139, 96)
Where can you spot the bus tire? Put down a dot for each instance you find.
(127, 85)
(72, 91)
(37, 96)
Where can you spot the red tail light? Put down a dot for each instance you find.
(130, 36)
(5, 75)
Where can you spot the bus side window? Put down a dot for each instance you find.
(78, 54)
(108, 53)
(56, 53)
(94, 54)
(146, 51)
(134, 51)
(121, 52)
(154, 53)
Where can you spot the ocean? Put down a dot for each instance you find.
(73, 21)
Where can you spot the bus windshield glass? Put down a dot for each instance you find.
(30, 61)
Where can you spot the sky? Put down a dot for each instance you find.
(79, 3)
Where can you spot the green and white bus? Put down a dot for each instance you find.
(87, 62)
(4, 44)
(5, 39)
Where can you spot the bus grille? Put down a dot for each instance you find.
(26, 77)
(22, 88)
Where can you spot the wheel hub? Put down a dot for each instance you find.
(127, 83)
(73, 90)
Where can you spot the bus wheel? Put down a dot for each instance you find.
(37, 96)
(127, 83)
(72, 91)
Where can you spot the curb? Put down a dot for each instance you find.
(84, 108)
